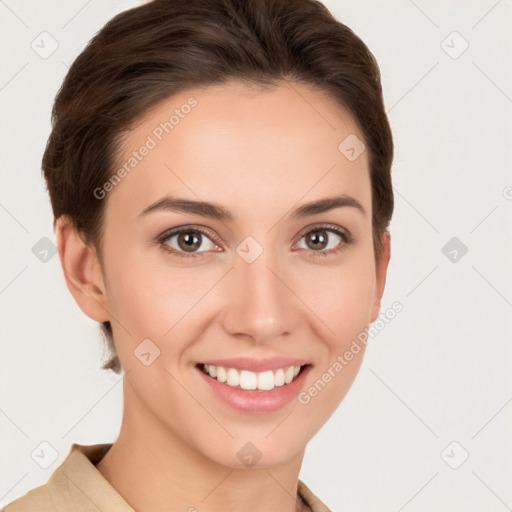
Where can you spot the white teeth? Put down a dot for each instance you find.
(246, 379)
(233, 377)
(221, 374)
(279, 377)
(266, 380)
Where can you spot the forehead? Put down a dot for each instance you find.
(238, 141)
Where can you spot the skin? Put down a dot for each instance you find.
(260, 154)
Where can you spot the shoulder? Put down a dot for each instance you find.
(314, 503)
(38, 499)
(75, 485)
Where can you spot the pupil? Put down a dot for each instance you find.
(318, 238)
(190, 241)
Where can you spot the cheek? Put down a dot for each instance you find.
(342, 305)
(341, 298)
(157, 301)
(149, 301)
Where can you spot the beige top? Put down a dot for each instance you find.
(77, 486)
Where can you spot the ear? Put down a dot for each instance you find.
(381, 268)
(82, 270)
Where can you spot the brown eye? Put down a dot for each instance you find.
(317, 240)
(187, 242)
(326, 241)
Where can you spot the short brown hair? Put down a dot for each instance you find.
(146, 54)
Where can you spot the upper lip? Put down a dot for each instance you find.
(257, 365)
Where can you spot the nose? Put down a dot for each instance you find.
(261, 303)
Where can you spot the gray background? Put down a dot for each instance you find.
(433, 387)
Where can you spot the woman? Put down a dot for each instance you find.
(219, 172)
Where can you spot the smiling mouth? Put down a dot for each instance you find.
(248, 380)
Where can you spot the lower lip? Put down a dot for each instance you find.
(254, 400)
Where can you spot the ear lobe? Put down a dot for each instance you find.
(381, 267)
(82, 270)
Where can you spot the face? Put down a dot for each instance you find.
(261, 281)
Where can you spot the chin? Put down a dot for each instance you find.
(255, 452)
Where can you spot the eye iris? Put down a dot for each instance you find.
(313, 236)
(190, 242)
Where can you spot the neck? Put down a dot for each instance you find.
(154, 468)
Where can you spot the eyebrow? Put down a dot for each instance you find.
(214, 211)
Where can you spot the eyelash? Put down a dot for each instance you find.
(344, 235)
